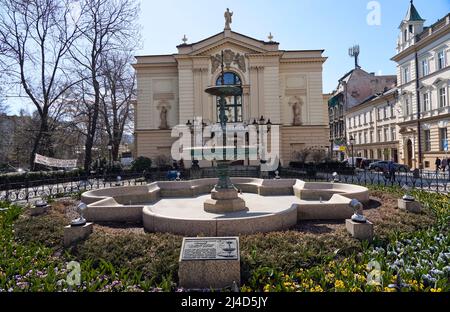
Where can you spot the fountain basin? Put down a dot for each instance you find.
(178, 206)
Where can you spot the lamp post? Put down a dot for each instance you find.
(352, 142)
(261, 142)
(110, 155)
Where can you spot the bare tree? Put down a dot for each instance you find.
(106, 26)
(118, 84)
(36, 36)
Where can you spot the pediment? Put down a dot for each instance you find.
(227, 40)
(227, 43)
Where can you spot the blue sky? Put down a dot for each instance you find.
(297, 24)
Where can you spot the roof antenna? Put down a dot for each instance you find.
(354, 52)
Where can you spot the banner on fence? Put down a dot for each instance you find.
(54, 162)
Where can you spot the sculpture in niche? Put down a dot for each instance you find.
(163, 108)
(229, 58)
(296, 104)
(228, 19)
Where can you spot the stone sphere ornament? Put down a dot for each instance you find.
(358, 215)
(407, 196)
(81, 208)
(335, 177)
(41, 204)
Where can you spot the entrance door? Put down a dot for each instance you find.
(409, 153)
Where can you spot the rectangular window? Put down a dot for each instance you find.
(365, 118)
(379, 154)
(365, 138)
(371, 137)
(425, 69)
(442, 97)
(392, 109)
(386, 135)
(380, 113)
(379, 136)
(406, 111)
(393, 134)
(385, 112)
(427, 138)
(443, 138)
(406, 75)
(426, 102)
(360, 138)
(440, 60)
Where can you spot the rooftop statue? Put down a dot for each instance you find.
(228, 18)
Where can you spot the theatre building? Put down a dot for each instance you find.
(282, 86)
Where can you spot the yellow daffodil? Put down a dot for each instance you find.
(338, 284)
(317, 288)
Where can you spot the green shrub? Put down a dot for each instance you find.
(141, 163)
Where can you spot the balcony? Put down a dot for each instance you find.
(435, 112)
(410, 117)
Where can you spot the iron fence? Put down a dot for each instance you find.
(30, 189)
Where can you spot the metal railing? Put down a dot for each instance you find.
(30, 189)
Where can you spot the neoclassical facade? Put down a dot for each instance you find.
(283, 86)
(423, 71)
(373, 126)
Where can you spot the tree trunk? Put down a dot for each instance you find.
(43, 130)
(93, 123)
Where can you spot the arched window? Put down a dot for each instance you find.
(234, 103)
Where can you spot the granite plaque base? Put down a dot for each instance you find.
(361, 231)
(410, 206)
(37, 211)
(73, 234)
(209, 262)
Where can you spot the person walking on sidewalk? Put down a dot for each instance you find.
(448, 165)
(437, 163)
(391, 170)
(444, 164)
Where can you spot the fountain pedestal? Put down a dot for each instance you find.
(224, 200)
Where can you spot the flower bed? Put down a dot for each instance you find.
(312, 257)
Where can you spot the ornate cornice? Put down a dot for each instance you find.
(304, 60)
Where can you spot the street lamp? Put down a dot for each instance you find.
(110, 155)
(352, 142)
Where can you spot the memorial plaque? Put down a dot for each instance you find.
(210, 248)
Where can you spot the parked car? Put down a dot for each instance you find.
(365, 163)
(353, 161)
(383, 165)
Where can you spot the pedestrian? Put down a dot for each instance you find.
(448, 165)
(437, 163)
(391, 169)
(444, 164)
